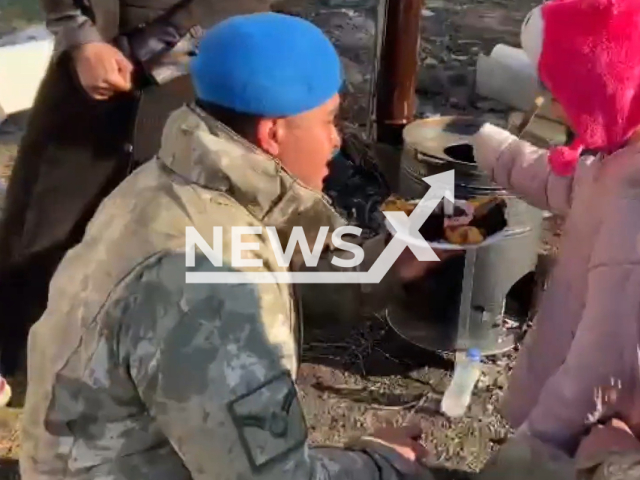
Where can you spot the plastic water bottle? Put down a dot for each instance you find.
(467, 371)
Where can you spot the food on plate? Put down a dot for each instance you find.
(462, 215)
(397, 204)
(435, 228)
(490, 216)
(472, 222)
(464, 235)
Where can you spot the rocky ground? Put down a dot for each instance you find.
(360, 376)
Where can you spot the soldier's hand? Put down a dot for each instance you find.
(405, 441)
(408, 268)
(102, 69)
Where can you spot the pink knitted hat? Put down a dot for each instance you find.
(587, 54)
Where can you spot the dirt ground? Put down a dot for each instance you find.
(357, 377)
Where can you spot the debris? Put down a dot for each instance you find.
(356, 185)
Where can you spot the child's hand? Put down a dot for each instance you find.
(614, 436)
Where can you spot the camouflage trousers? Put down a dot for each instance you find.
(528, 459)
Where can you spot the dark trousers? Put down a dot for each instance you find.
(72, 156)
(23, 299)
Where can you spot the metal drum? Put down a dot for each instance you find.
(466, 301)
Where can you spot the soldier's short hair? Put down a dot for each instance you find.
(244, 124)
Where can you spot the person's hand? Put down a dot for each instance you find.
(616, 435)
(404, 440)
(409, 268)
(620, 425)
(102, 69)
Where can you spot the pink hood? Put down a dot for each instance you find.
(587, 54)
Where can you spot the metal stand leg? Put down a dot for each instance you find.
(464, 322)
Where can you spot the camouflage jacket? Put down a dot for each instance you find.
(135, 374)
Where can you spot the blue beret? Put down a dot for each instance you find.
(266, 64)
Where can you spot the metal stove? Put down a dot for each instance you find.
(472, 300)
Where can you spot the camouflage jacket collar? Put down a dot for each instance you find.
(205, 152)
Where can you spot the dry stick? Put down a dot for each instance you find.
(415, 409)
(529, 116)
(395, 407)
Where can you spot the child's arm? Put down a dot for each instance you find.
(522, 168)
(602, 366)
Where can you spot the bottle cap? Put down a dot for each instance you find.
(474, 354)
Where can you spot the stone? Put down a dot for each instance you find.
(355, 74)
(431, 81)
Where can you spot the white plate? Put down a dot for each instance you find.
(421, 242)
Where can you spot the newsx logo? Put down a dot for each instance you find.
(442, 186)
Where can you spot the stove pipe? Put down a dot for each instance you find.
(395, 96)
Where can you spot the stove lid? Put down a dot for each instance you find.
(446, 138)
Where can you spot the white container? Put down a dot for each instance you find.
(467, 372)
(22, 67)
(507, 75)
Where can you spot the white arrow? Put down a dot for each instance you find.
(442, 186)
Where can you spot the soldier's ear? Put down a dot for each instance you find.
(269, 135)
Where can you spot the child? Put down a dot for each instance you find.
(579, 367)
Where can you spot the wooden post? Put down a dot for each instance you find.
(395, 97)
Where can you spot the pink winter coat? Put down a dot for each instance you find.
(580, 363)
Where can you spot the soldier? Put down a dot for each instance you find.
(136, 374)
(116, 70)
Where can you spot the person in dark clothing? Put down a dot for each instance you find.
(118, 70)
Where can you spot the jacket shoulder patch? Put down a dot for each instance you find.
(269, 421)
